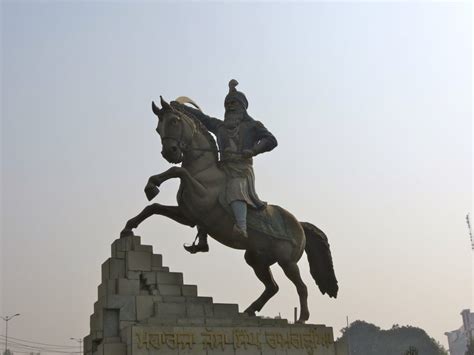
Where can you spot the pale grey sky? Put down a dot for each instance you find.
(370, 103)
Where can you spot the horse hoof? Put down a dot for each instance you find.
(151, 191)
(126, 233)
(250, 313)
(304, 316)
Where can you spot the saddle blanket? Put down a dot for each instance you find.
(271, 220)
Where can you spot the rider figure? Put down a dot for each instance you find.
(239, 138)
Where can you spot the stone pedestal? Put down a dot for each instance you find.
(144, 309)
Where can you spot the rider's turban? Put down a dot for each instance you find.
(237, 95)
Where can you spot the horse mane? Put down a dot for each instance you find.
(200, 126)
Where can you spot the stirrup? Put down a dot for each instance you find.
(196, 248)
(237, 232)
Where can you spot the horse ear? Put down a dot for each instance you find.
(165, 105)
(155, 108)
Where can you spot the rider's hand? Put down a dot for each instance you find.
(248, 153)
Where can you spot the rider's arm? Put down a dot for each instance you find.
(211, 123)
(265, 140)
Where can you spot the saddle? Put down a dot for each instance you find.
(271, 220)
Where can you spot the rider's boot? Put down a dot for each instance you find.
(201, 246)
(240, 214)
(238, 232)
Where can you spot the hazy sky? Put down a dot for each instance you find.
(370, 103)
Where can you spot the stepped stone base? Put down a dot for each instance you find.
(144, 309)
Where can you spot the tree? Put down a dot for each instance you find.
(470, 347)
(411, 351)
(367, 339)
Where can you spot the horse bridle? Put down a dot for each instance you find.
(181, 143)
(185, 146)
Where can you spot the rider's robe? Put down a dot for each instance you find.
(248, 134)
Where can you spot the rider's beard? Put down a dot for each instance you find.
(233, 118)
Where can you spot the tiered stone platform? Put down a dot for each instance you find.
(144, 309)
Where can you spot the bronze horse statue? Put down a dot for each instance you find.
(185, 140)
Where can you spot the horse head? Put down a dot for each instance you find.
(176, 131)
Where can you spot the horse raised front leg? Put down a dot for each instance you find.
(189, 182)
(172, 212)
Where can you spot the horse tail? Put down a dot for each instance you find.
(320, 259)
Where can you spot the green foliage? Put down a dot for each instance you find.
(470, 347)
(368, 339)
(412, 351)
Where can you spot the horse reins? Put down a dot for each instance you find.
(183, 145)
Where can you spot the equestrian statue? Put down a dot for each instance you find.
(217, 194)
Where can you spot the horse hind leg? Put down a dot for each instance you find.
(264, 274)
(292, 271)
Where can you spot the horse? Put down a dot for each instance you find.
(185, 140)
